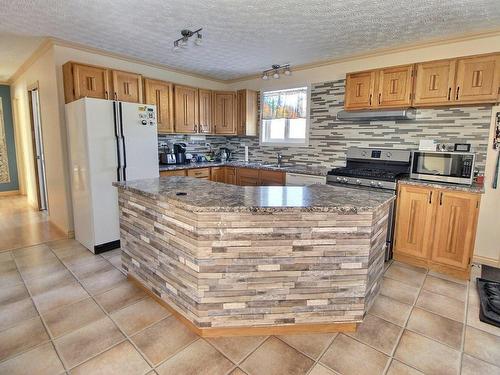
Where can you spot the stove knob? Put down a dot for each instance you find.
(344, 180)
(379, 184)
(358, 182)
(363, 153)
(389, 154)
(372, 183)
(339, 179)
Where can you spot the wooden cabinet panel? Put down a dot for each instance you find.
(161, 94)
(455, 228)
(248, 177)
(205, 111)
(414, 220)
(177, 172)
(127, 87)
(230, 175)
(434, 83)
(272, 178)
(85, 81)
(203, 173)
(225, 112)
(246, 123)
(218, 174)
(185, 109)
(395, 86)
(478, 79)
(359, 90)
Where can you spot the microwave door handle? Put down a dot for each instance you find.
(117, 139)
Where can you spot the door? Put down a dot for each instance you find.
(161, 94)
(230, 175)
(395, 86)
(205, 111)
(434, 82)
(414, 220)
(218, 175)
(90, 82)
(185, 109)
(38, 152)
(478, 79)
(455, 228)
(359, 90)
(127, 87)
(225, 112)
(140, 141)
(272, 178)
(248, 177)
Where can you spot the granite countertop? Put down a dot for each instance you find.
(207, 196)
(474, 188)
(316, 171)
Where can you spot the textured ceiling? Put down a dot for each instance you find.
(243, 37)
(14, 51)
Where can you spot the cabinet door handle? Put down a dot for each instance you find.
(370, 99)
(441, 198)
(458, 90)
(449, 93)
(379, 97)
(106, 94)
(430, 197)
(116, 96)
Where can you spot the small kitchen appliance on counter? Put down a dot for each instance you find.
(450, 167)
(180, 153)
(374, 169)
(224, 154)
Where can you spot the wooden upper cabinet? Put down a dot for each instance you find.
(414, 222)
(205, 110)
(455, 228)
(395, 86)
(85, 81)
(434, 83)
(225, 112)
(127, 87)
(478, 79)
(185, 109)
(359, 90)
(246, 123)
(161, 94)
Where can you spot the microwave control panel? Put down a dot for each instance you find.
(147, 115)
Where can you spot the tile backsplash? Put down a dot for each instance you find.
(329, 138)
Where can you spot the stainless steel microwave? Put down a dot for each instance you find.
(452, 167)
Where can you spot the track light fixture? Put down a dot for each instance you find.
(275, 71)
(182, 42)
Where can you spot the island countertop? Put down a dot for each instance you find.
(206, 196)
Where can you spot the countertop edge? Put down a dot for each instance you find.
(474, 188)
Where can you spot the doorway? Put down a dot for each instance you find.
(38, 153)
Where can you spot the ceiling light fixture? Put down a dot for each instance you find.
(184, 39)
(275, 71)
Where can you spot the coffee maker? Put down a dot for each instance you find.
(180, 153)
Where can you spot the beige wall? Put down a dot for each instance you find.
(53, 132)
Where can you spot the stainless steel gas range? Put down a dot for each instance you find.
(373, 168)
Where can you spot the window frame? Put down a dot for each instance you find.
(287, 142)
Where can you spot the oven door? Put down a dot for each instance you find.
(453, 167)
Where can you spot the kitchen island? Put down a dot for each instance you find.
(235, 260)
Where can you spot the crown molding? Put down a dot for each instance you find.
(4, 83)
(381, 52)
(42, 48)
(81, 47)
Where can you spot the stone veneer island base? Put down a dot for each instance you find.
(231, 260)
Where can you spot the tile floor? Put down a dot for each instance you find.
(64, 310)
(22, 225)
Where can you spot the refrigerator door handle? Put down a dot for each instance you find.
(117, 138)
(120, 115)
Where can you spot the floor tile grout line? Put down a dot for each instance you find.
(45, 326)
(316, 361)
(324, 351)
(244, 357)
(164, 360)
(106, 315)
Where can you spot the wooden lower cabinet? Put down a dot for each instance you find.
(230, 175)
(203, 173)
(176, 172)
(436, 228)
(248, 177)
(218, 174)
(272, 178)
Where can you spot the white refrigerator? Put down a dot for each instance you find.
(108, 141)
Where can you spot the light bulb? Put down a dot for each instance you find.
(265, 77)
(276, 75)
(287, 72)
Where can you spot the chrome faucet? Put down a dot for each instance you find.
(280, 159)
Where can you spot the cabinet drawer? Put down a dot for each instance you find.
(199, 173)
(178, 172)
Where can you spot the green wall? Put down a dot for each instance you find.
(9, 137)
